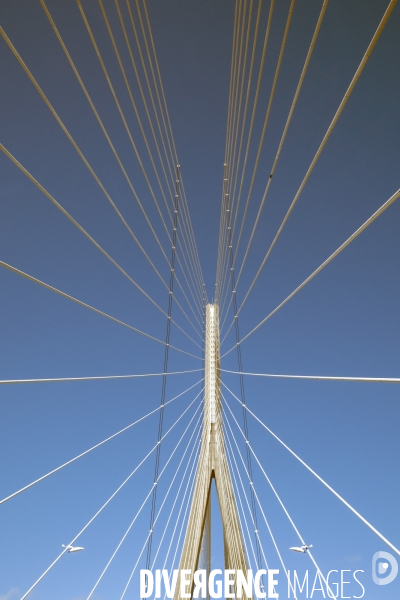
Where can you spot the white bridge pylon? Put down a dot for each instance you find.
(212, 464)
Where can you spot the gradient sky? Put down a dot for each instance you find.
(345, 322)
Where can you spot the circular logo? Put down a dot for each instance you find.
(380, 568)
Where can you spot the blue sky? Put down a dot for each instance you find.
(345, 322)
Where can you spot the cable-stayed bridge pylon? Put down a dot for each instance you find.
(212, 465)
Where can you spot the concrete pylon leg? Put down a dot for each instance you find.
(212, 464)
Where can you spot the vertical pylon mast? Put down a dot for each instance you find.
(212, 464)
